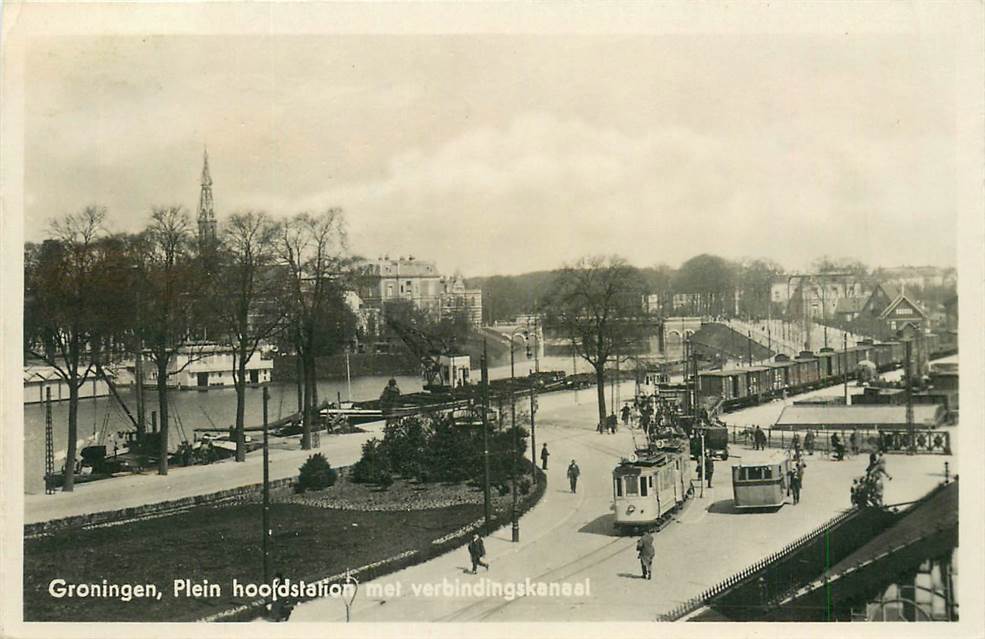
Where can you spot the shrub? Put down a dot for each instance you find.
(503, 489)
(372, 464)
(316, 473)
(524, 486)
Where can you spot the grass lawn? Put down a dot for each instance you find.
(217, 544)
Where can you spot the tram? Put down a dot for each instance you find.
(648, 489)
(761, 485)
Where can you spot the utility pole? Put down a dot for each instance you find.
(516, 523)
(485, 437)
(909, 395)
(749, 345)
(533, 430)
(844, 366)
(49, 447)
(266, 491)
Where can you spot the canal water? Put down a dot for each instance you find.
(192, 409)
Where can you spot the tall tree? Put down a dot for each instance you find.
(247, 297)
(171, 287)
(712, 279)
(597, 303)
(755, 280)
(62, 307)
(313, 248)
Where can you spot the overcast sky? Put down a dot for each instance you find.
(509, 153)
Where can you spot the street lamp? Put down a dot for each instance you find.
(523, 333)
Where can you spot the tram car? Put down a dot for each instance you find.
(647, 490)
(761, 485)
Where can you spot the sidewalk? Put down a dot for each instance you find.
(181, 482)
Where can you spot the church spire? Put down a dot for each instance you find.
(206, 212)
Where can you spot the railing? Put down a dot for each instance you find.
(695, 603)
(869, 440)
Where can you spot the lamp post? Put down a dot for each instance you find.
(266, 491)
(516, 443)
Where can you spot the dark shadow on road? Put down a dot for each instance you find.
(603, 525)
(627, 575)
(727, 507)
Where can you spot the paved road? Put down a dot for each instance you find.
(570, 538)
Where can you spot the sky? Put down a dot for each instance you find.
(502, 154)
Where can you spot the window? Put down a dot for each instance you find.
(643, 486)
(632, 485)
(756, 472)
(618, 483)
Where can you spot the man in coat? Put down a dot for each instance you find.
(544, 454)
(644, 550)
(709, 468)
(573, 472)
(477, 550)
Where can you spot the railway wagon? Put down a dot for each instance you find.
(829, 364)
(647, 490)
(808, 372)
(757, 381)
(778, 373)
(728, 384)
(882, 355)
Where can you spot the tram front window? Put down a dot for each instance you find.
(618, 487)
(632, 485)
(755, 472)
(643, 486)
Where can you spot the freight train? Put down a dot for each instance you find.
(734, 388)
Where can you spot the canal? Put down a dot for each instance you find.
(192, 409)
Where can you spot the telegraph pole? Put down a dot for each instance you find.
(533, 430)
(49, 447)
(266, 491)
(844, 366)
(909, 395)
(485, 437)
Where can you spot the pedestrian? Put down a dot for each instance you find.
(837, 447)
(625, 415)
(709, 468)
(853, 441)
(795, 486)
(573, 472)
(756, 435)
(477, 550)
(856, 492)
(544, 454)
(601, 426)
(795, 445)
(645, 552)
(612, 421)
(282, 607)
(809, 442)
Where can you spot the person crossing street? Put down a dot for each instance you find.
(573, 473)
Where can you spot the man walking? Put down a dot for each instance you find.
(644, 550)
(573, 472)
(544, 454)
(795, 486)
(477, 550)
(709, 468)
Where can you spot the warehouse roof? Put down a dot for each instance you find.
(871, 416)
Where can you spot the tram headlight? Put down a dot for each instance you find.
(631, 509)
